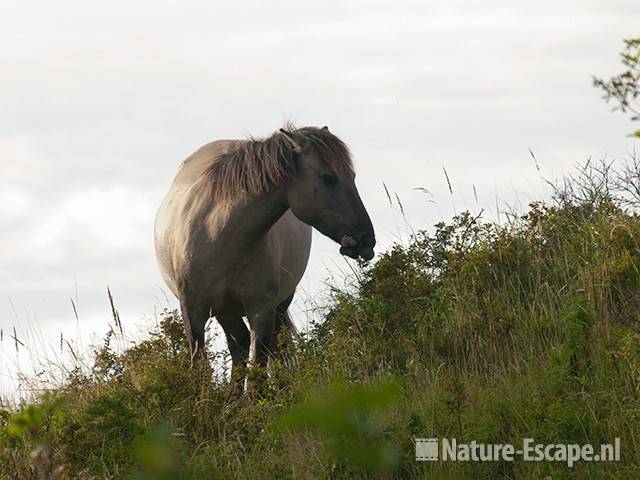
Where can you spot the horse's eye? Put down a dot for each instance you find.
(329, 180)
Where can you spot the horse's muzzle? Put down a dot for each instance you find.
(351, 248)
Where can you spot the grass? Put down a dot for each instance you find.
(474, 331)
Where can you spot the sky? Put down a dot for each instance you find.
(100, 102)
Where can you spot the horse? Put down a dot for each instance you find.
(233, 233)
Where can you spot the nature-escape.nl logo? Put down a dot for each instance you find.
(430, 449)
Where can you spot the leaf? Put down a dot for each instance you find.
(344, 415)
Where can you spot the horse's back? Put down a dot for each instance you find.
(192, 169)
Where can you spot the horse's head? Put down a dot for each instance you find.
(323, 193)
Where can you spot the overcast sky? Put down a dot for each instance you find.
(100, 101)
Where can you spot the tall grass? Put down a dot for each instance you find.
(473, 330)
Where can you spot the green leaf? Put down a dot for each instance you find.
(345, 417)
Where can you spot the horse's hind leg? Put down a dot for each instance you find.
(194, 317)
(238, 340)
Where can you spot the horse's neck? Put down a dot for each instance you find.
(250, 221)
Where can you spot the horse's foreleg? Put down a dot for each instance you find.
(262, 335)
(194, 317)
(238, 341)
(282, 325)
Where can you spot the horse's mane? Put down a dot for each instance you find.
(260, 164)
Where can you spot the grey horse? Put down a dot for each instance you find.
(233, 234)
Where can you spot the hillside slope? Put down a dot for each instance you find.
(474, 331)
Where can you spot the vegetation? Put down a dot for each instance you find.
(624, 88)
(474, 331)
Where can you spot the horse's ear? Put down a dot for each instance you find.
(296, 146)
(325, 128)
